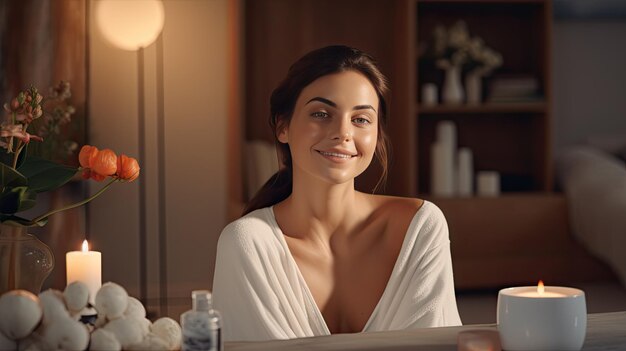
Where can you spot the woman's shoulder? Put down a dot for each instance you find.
(248, 231)
(394, 206)
(414, 218)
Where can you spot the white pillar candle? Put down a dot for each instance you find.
(446, 134)
(465, 172)
(85, 266)
(442, 170)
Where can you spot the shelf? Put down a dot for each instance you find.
(503, 197)
(479, 1)
(523, 107)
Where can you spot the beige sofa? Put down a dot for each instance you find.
(594, 182)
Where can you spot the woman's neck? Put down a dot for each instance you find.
(318, 210)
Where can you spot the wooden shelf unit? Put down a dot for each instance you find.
(513, 107)
(511, 138)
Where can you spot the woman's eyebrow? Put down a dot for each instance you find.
(322, 100)
(330, 103)
(363, 107)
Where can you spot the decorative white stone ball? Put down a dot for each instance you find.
(145, 324)
(53, 304)
(6, 343)
(76, 296)
(66, 334)
(33, 346)
(20, 312)
(33, 342)
(111, 300)
(127, 330)
(101, 320)
(135, 308)
(102, 339)
(168, 330)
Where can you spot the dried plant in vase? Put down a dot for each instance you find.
(456, 52)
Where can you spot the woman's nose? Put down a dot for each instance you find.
(342, 131)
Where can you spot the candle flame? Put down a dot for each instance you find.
(540, 288)
(85, 246)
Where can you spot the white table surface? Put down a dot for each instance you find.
(605, 331)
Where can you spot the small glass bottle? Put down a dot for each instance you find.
(202, 325)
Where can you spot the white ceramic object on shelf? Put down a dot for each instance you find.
(473, 88)
(452, 92)
(429, 94)
(488, 184)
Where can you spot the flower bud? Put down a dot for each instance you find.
(97, 177)
(104, 163)
(86, 155)
(37, 112)
(127, 168)
(86, 173)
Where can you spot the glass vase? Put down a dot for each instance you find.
(25, 261)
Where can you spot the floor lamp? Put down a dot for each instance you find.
(134, 25)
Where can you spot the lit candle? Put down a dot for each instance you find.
(85, 266)
(542, 318)
(541, 292)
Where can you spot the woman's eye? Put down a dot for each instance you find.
(319, 114)
(361, 120)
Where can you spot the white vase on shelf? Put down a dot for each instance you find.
(452, 92)
(473, 87)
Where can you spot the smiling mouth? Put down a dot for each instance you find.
(335, 154)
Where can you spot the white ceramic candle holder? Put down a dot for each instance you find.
(553, 320)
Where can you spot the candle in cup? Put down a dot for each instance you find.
(541, 292)
(531, 318)
(85, 266)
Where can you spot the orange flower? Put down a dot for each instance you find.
(127, 168)
(104, 163)
(86, 155)
(87, 173)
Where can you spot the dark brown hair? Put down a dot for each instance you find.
(315, 64)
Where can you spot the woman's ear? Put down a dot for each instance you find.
(282, 132)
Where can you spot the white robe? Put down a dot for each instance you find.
(262, 295)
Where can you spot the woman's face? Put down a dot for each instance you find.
(334, 128)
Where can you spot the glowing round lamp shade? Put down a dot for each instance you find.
(130, 24)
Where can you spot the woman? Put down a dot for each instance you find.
(313, 256)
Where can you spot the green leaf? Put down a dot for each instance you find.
(7, 158)
(11, 198)
(15, 220)
(44, 175)
(10, 177)
(9, 202)
(28, 199)
(17, 199)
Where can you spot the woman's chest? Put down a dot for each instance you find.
(348, 285)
